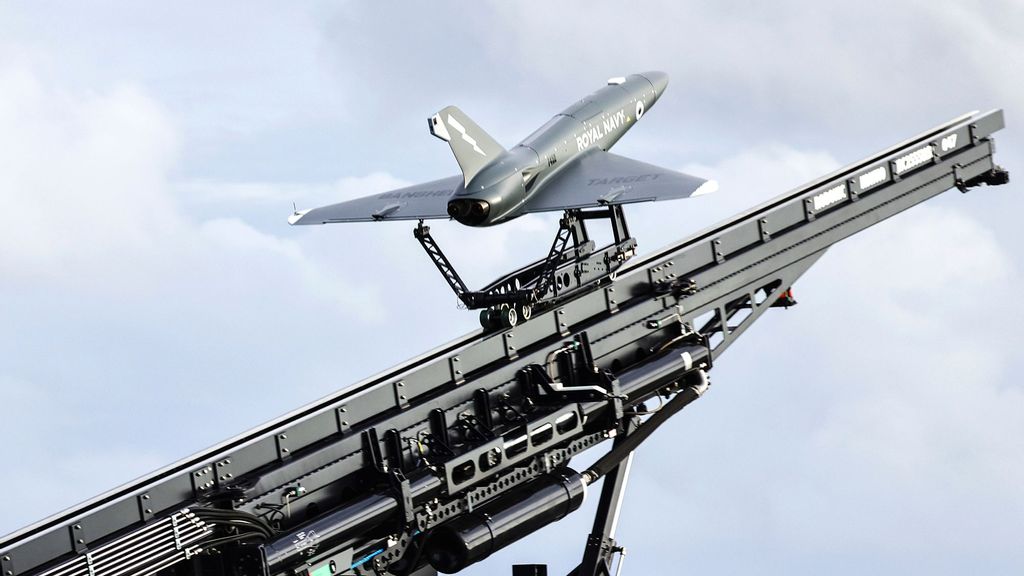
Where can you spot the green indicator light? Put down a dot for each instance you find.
(324, 570)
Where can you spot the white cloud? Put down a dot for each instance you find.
(871, 429)
(941, 404)
(875, 422)
(105, 270)
(83, 191)
(89, 198)
(305, 195)
(747, 178)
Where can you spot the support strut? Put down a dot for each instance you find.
(601, 546)
(512, 297)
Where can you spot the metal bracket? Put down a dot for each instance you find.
(401, 397)
(510, 349)
(560, 322)
(456, 370)
(473, 429)
(716, 250)
(343, 423)
(611, 300)
(893, 169)
(223, 472)
(958, 179)
(439, 426)
(281, 439)
(203, 480)
(145, 506)
(403, 493)
(78, 537)
(91, 569)
(393, 450)
(809, 209)
(176, 532)
(482, 403)
(371, 449)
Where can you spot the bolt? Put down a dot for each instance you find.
(77, 526)
(401, 384)
(149, 510)
(145, 496)
(401, 397)
(344, 422)
(344, 409)
(284, 450)
(80, 541)
(283, 436)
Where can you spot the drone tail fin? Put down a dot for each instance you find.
(473, 148)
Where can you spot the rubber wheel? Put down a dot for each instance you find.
(510, 317)
(525, 311)
(487, 319)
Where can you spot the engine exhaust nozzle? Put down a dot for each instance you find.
(468, 211)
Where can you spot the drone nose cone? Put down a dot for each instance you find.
(657, 79)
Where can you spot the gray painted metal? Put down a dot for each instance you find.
(564, 164)
(740, 268)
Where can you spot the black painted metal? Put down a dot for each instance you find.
(635, 319)
(474, 536)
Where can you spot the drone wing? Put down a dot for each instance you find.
(420, 202)
(600, 178)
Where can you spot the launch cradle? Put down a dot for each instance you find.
(434, 464)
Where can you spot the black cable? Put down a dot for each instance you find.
(237, 519)
(411, 565)
(616, 455)
(227, 540)
(230, 514)
(243, 524)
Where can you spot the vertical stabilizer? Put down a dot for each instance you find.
(473, 148)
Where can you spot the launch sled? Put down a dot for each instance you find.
(572, 265)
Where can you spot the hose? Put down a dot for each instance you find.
(616, 455)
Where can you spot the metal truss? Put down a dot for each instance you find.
(411, 468)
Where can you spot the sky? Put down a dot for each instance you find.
(153, 300)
